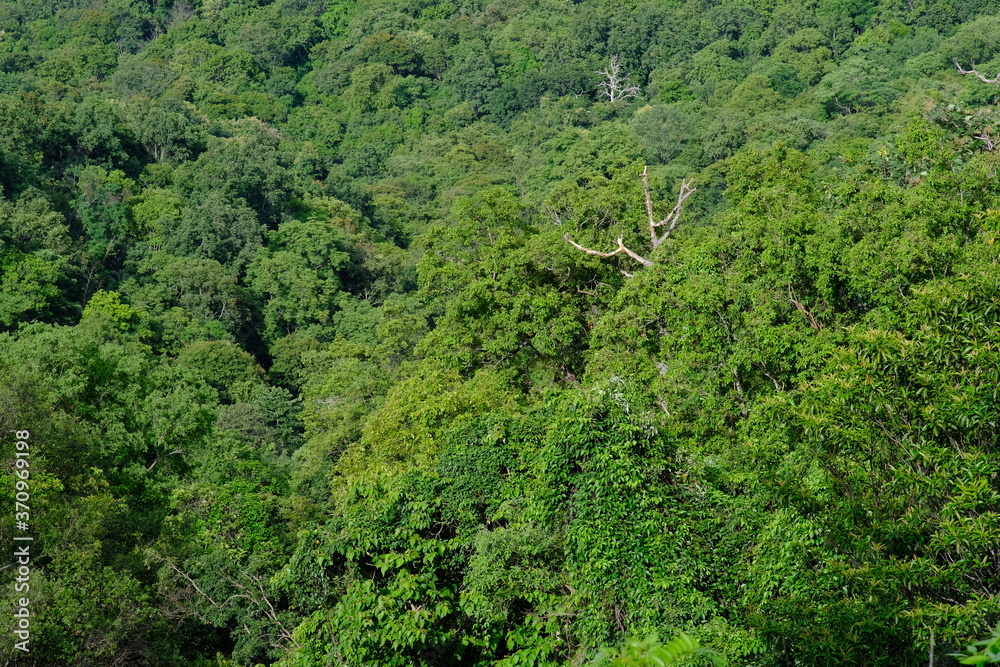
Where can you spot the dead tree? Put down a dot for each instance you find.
(655, 237)
(672, 218)
(985, 135)
(995, 80)
(616, 85)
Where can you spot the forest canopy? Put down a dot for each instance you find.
(501, 332)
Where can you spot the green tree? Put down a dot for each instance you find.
(298, 276)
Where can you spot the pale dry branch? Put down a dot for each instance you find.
(987, 139)
(554, 214)
(285, 634)
(191, 581)
(616, 85)
(621, 248)
(656, 239)
(157, 459)
(994, 80)
(672, 218)
(802, 309)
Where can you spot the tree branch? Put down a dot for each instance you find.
(994, 80)
(671, 220)
(616, 87)
(157, 459)
(621, 248)
(802, 309)
(987, 139)
(673, 217)
(191, 581)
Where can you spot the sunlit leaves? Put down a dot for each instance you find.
(896, 462)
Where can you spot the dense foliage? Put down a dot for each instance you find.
(314, 377)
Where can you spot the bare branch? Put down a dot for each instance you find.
(802, 309)
(616, 86)
(157, 459)
(656, 240)
(641, 260)
(673, 217)
(272, 613)
(994, 80)
(554, 214)
(191, 581)
(987, 139)
(621, 248)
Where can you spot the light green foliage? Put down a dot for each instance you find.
(719, 310)
(755, 95)
(884, 437)
(157, 213)
(28, 283)
(858, 85)
(404, 431)
(109, 426)
(973, 42)
(652, 651)
(108, 305)
(542, 524)
(989, 653)
(31, 225)
(347, 382)
(33, 261)
(187, 300)
(809, 56)
(374, 88)
(168, 130)
(631, 543)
